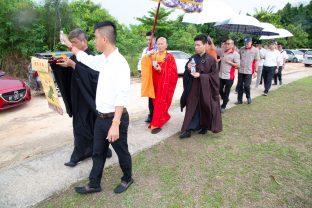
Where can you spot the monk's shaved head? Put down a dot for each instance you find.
(162, 44)
(162, 39)
(107, 29)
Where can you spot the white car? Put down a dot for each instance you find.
(180, 57)
(307, 58)
(294, 55)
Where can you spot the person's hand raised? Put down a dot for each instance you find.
(151, 52)
(64, 39)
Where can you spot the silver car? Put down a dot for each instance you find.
(307, 58)
(294, 55)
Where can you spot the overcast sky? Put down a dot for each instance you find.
(125, 11)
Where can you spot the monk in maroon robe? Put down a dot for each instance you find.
(201, 93)
(159, 80)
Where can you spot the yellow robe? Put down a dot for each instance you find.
(147, 86)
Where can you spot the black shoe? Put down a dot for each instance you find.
(186, 134)
(156, 131)
(71, 164)
(203, 131)
(149, 119)
(109, 153)
(222, 110)
(123, 186)
(281, 83)
(87, 190)
(249, 100)
(238, 102)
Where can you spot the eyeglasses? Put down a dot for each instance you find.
(228, 43)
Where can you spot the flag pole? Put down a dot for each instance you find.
(155, 22)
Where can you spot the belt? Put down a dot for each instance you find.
(110, 115)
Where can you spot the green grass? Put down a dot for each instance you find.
(235, 168)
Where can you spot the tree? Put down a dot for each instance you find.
(300, 38)
(21, 34)
(183, 39)
(164, 26)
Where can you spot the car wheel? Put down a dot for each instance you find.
(295, 60)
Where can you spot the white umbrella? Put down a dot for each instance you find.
(213, 11)
(268, 30)
(283, 33)
(240, 23)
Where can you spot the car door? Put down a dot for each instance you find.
(290, 55)
(181, 61)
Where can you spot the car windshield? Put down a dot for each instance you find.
(308, 53)
(298, 52)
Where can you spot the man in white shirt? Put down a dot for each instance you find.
(260, 64)
(112, 97)
(270, 66)
(282, 60)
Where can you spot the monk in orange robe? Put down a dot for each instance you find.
(159, 80)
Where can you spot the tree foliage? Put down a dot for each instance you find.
(29, 27)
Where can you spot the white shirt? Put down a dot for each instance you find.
(282, 55)
(113, 86)
(262, 54)
(271, 58)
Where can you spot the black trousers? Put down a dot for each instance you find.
(83, 140)
(100, 147)
(278, 75)
(243, 84)
(225, 88)
(150, 107)
(261, 79)
(268, 73)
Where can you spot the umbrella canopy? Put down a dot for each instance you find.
(186, 5)
(268, 30)
(240, 23)
(283, 33)
(213, 11)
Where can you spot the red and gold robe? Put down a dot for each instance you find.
(159, 85)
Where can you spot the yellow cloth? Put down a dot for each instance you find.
(147, 86)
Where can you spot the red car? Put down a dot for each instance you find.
(13, 92)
